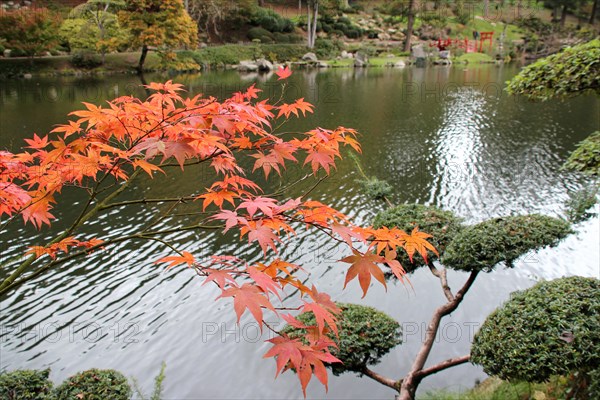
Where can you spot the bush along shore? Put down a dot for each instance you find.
(244, 58)
(81, 40)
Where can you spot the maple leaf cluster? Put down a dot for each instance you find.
(130, 135)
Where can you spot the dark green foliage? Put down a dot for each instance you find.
(550, 329)
(580, 203)
(442, 225)
(287, 38)
(564, 74)
(271, 21)
(326, 48)
(482, 246)
(25, 385)
(261, 34)
(85, 59)
(94, 384)
(534, 24)
(365, 335)
(376, 188)
(586, 157)
(232, 54)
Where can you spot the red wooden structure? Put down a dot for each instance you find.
(470, 46)
(486, 36)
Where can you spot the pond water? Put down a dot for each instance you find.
(443, 136)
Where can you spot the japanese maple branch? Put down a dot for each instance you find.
(442, 275)
(80, 220)
(443, 365)
(413, 378)
(6, 286)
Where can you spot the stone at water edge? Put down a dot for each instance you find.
(312, 57)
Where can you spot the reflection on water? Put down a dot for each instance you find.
(443, 136)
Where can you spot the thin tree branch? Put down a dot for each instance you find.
(442, 276)
(381, 379)
(442, 366)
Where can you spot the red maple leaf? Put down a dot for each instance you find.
(231, 219)
(248, 297)
(264, 204)
(283, 73)
(264, 235)
(322, 315)
(312, 363)
(218, 276)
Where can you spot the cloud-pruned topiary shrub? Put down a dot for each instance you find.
(586, 157)
(550, 329)
(25, 385)
(94, 384)
(482, 246)
(364, 336)
(568, 73)
(442, 225)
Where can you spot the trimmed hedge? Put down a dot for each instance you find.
(442, 225)
(550, 329)
(364, 336)
(25, 385)
(94, 384)
(482, 246)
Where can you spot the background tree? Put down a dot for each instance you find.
(29, 32)
(102, 14)
(594, 12)
(163, 24)
(92, 27)
(212, 15)
(411, 15)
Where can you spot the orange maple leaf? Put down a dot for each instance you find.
(184, 258)
(363, 266)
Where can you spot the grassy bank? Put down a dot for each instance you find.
(210, 57)
(497, 389)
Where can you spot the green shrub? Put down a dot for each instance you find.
(586, 157)
(285, 52)
(550, 329)
(25, 385)
(482, 246)
(261, 34)
(444, 226)
(287, 38)
(271, 21)
(94, 384)
(232, 54)
(326, 48)
(568, 73)
(376, 188)
(580, 203)
(85, 59)
(364, 336)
